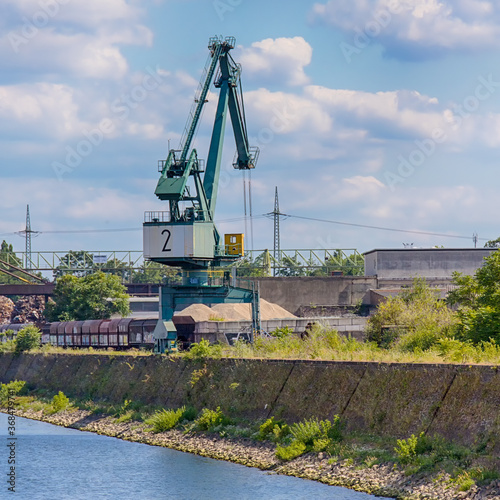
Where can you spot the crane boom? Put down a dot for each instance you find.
(201, 98)
(197, 209)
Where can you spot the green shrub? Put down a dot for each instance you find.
(484, 475)
(282, 332)
(406, 449)
(293, 450)
(204, 349)
(14, 388)
(8, 346)
(165, 420)
(275, 430)
(464, 480)
(412, 321)
(59, 402)
(209, 419)
(28, 338)
(236, 431)
(280, 433)
(189, 414)
(197, 375)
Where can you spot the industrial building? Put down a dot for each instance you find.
(429, 263)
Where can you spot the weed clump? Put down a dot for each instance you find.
(274, 430)
(210, 419)
(129, 410)
(282, 332)
(311, 435)
(204, 350)
(165, 420)
(406, 449)
(293, 450)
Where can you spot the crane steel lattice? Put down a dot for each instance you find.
(186, 235)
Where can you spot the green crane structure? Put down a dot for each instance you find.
(186, 235)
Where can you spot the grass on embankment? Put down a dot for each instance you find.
(417, 456)
(324, 344)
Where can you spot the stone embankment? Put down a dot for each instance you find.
(380, 480)
(457, 402)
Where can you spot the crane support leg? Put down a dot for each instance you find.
(178, 297)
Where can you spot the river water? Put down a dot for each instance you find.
(56, 463)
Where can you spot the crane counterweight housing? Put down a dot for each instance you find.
(185, 235)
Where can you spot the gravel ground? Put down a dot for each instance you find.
(381, 480)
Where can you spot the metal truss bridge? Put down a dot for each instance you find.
(128, 262)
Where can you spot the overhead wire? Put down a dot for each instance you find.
(238, 219)
(380, 228)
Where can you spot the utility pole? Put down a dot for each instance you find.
(28, 238)
(276, 214)
(27, 234)
(276, 217)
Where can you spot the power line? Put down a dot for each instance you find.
(238, 219)
(427, 233)
(76, 231)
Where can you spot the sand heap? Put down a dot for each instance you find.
(196, 313)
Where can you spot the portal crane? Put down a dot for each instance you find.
(186, 235)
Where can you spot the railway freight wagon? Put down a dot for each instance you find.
(123, 333)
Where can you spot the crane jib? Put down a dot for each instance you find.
(193, 203)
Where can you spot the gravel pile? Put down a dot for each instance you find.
(29, 309)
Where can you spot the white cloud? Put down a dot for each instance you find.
(402, 111)
(415, 28)
(280, 60)
(88, 13)
(284, 113)
(137, 106)
(44, 109)
(332, 123)
(79, 39)
(82, 203)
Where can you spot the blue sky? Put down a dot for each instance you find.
(380, 113)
